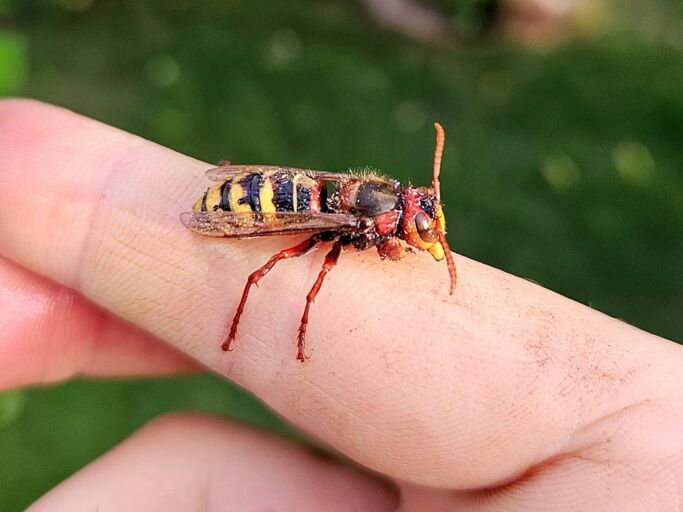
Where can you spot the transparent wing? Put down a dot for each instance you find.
(253, 224)
(227, 172)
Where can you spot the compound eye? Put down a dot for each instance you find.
(424, 228)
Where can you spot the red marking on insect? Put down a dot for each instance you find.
(386, 223)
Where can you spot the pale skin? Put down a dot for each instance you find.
(503, 396)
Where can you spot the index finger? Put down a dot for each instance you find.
(462, 391)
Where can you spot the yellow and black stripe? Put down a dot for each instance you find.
(268, 192)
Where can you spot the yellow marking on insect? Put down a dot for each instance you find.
(197, 207)
(294, 198)
(442, 218)
(213, 198)
(237, 193)
(436, 250)
(267, 195)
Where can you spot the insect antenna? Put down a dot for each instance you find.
(438, 153)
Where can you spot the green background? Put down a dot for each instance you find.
(563, 164)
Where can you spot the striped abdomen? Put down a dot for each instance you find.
(267, 192)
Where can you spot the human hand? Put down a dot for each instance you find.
(504, 396)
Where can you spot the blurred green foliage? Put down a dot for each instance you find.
(12, 63)
(562, 165)
(468, 17)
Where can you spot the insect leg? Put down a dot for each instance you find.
(256, 276)
(330, 261)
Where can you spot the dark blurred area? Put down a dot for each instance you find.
(563, 162)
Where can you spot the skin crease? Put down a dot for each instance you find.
(504, 396)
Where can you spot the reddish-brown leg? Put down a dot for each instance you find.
(330, 262)
(256, 276)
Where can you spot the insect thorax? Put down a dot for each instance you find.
(366, 198)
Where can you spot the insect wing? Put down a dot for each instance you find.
(253, 224)
(228, 172)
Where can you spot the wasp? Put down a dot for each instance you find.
(348, 210)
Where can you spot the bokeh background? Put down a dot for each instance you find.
(564, 157)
